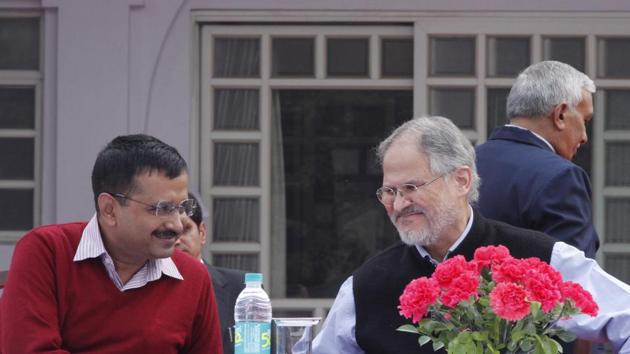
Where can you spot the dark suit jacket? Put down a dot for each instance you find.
(227, 284)
(525, 184)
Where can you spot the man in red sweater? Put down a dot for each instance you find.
(114, 284)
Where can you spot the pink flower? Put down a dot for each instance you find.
(452, 268)
(510, 270)
(509, 301)
(418, 295)
(460, 289)
(489, 255)
(582, 298)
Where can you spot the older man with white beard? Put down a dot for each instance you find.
(429, 184)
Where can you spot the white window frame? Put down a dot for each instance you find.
(26, 78)
(536, 25)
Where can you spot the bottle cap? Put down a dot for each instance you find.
(253, 278)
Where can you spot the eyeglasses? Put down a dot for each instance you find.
(387, 195)
(186, 206)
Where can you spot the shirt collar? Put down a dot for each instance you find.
(424, 254)
(91, 246)
(535, 134)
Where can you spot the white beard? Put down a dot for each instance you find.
(446, 216)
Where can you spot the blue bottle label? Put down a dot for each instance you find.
(252, 338)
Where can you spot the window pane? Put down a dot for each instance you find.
(235, 164)
(17, 158)
(236, 109)
(567, 50)
(617, 222)
(453, 56)
(293, 57)
(17, 108)
(244, 262)
(16, 209)
(236, 57)
(507, 56)
(497, 98)
(19, 43)
(617, 162)
(614, 56)
(235, 219)
(617, 109)
(333, 219)
(456, 104)
(618, 265)
(397, 57)
(347, 57)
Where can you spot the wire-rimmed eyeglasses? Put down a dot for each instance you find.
(163, 209)
(387, 195)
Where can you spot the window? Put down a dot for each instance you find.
(303, 106)
(20, 97)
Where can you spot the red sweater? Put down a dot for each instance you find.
(54, 305)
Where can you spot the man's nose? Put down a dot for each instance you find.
(400, 201)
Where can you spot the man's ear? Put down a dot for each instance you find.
(557, 115)
(202, 233)
(463, 179)
(107, 208)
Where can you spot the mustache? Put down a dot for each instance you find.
(412, 209)
(165, 234)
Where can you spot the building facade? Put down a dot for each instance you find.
(278, 105)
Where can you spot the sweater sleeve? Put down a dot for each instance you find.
(30, 318)
(206, 334)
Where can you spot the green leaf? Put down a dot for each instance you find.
(566, 336)
(424, 340)
(408, 328)
(437, 345)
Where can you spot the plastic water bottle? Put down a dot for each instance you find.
(252, 317)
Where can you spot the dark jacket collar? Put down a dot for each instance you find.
(519, 135)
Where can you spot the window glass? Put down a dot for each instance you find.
(236, 109)
(617, 222)
(19, 43)
(333, 219)
(618, 265)
(617, 109)
(16, 209)
(293, 57)
(614, 56)
(617, 160)
(17, 108)
(347, 57)
(507, 56)
(236, 57)
(397, 57)
(236, 164)
(452, 56)
(496, 105)
(17, 158)
(457, 104)
(235, 219)
(567, 50)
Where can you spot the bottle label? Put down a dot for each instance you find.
(252, 338)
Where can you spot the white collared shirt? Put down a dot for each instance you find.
(91, 246)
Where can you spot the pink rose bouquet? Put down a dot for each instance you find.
(493, 304)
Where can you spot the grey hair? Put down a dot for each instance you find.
(542, 86)
(444, 144)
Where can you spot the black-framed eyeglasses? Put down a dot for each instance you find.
(163, 209)
(387, 195)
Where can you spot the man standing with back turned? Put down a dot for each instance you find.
(114, 284)
(528, 178)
